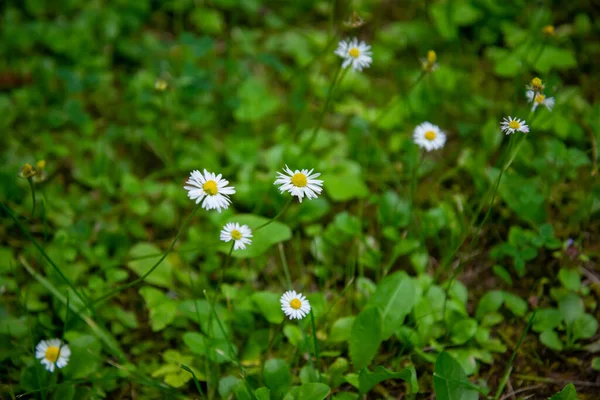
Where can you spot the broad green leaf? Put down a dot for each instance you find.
(395, 297)
(85, 357)
(450, 381)
(568, 393)
(571, 308)
(277, 377)
(162, 275)
(269, 306)
(256, 100)
(344, 187)
(463, 331)
(490, 302)
(162, 309)
(366, 337)
(514, 303)
(570, 279)
(309, 391)
(367, 380)
(584, 327)
(341, 330)
(262, 394)
(262, 239)
(550, 339)
(546, 319)
(196, 342)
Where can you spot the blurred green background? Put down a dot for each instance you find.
(123, 99)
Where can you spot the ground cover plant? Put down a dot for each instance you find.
(299, 200)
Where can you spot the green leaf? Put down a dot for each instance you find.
(584, 327)
(85, 357)
(344, 187)
(550, 339)
(596, 363)
(262, 394)
(395, 297)
(269, 306)
(341, 330)
(162, 275)
(196, 342)
(570, 279)
(490, 302)
(367, 380)
(568, 393)
(309, 391)
(262, 240)
(450, 381)
(256, 100)
(514, 303)
(463, 331)
(162, 309)
(366, 337)
(571, 308)
(546, 319)
(277, 376)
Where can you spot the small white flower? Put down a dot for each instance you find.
(52, 353)
(429, 136)
(354, 53)
(510, 125)
(294, 305)
(539, 99)
(210, 187)
(240, 234)
(299, 183)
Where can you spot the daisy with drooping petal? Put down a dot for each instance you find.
(294, 305)
(300, 183)
(354, 53)
(539, 99)
(429, 136)
(211, 188)
(510, 125)
(52, 353)
(240, 234)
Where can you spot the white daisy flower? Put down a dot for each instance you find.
(241, 235)
(510, 125)
(539, 99)
(356, 54)
(299, 183)
(429, 136)
(294, 305)
(210, 187)
(52, 353)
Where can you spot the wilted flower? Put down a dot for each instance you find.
(429, 136)
(299, 183)
(429, 64)
(240, 234)
(294, 305)
(354, 53)
(53, 353)
(510, 125)
(210, 187)
(355, 21)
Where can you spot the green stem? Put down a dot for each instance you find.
(32, 186)
(275, 218)
(314, 332)
(143, 277)
(83, 299)
(286, 271)
(315, 131)
(512, 358)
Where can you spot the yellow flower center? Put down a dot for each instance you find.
(210, 187)
(295, 304)
(514, 124)
(431, 57)
(299, 180)
(430, 135)
(536, 84)
(237, 235)
(354, 52)
(540, 98)
(52, 353)
(549, 30)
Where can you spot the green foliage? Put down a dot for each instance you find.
(450, 381)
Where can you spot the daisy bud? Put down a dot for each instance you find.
(27, 171)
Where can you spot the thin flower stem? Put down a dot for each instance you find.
(512, 358)
(143, 277)
(315, 131)
(81, 297)
(32, 186)
(314, 332)
(286, 271)
(275, 218)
